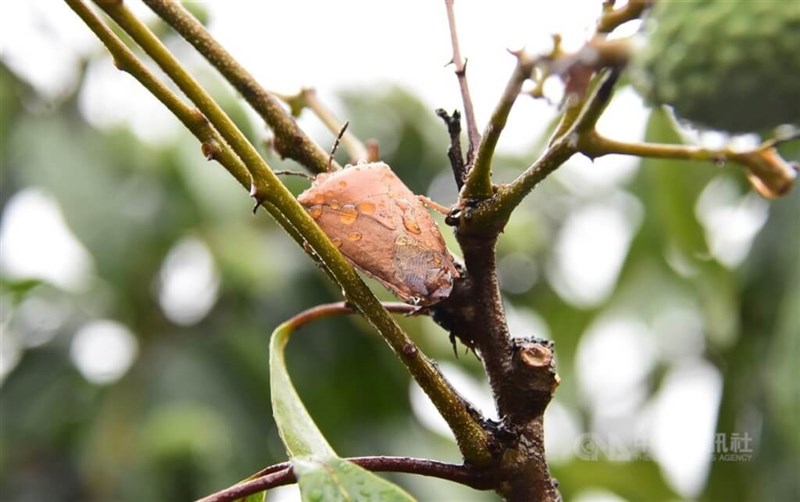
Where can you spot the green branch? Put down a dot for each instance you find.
(479, 179)
(213, 145)
(307, 98)
(460, 65)
(471, 437)
(290, 141)
(768, 173)
(263, 183)
(575, 124)
(612, 18)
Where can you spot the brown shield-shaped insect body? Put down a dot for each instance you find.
(384, 230)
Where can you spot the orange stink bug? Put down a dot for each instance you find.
(384, 230)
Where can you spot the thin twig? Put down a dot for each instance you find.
(510, 196)
(282, 474)
(612, 18)
(213, 145)
(479, 181)
(278, 477)
(290, 141)
(457, 164)
(460, 65)
(587, 106)
(596, 105)
(769, 174)
(307, 98)
(343, 308)
(583, 110)
(264, 184)
(558, 153)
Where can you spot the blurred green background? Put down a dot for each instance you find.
(143, 376)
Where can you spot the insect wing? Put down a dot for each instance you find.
(384, 230)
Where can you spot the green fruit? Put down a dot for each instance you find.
(731, 65)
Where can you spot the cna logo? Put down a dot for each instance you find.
(593, 446)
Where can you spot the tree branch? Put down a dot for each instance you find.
(479, 181)
(471, 437)
(213, 145)
(768, 173)
(264, 184)
(282, 474)
(460, 64)
(495, 213)
(453, 123)
(343, 308)
(521, 373)
(307, 98)
(290, 140)
(612, 18)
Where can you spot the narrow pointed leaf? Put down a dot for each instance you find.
(298, 431)
(321, 475)
(256, 497)
(336, 479)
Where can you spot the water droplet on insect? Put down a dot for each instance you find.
(411, 224)
(334, 204)
(348, 214)
(315, 211)
(366, 207)
(337, 242)
(319, 198)
(342, 184)
(354, 236)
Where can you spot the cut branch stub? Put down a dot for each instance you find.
(384, 230)
(534, 375)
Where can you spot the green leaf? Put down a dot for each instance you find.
(337, 479)
(675, 186)
(616, 477)
(255, 497)
(298, 431)
(322, 475)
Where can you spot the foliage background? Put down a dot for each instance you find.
(191, 415)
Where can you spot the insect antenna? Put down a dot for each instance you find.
(294, 173)
(330, 156)
(336, 143)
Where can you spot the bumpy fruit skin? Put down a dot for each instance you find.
(730, 65)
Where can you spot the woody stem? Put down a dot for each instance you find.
(461, 73)
(471, 436)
